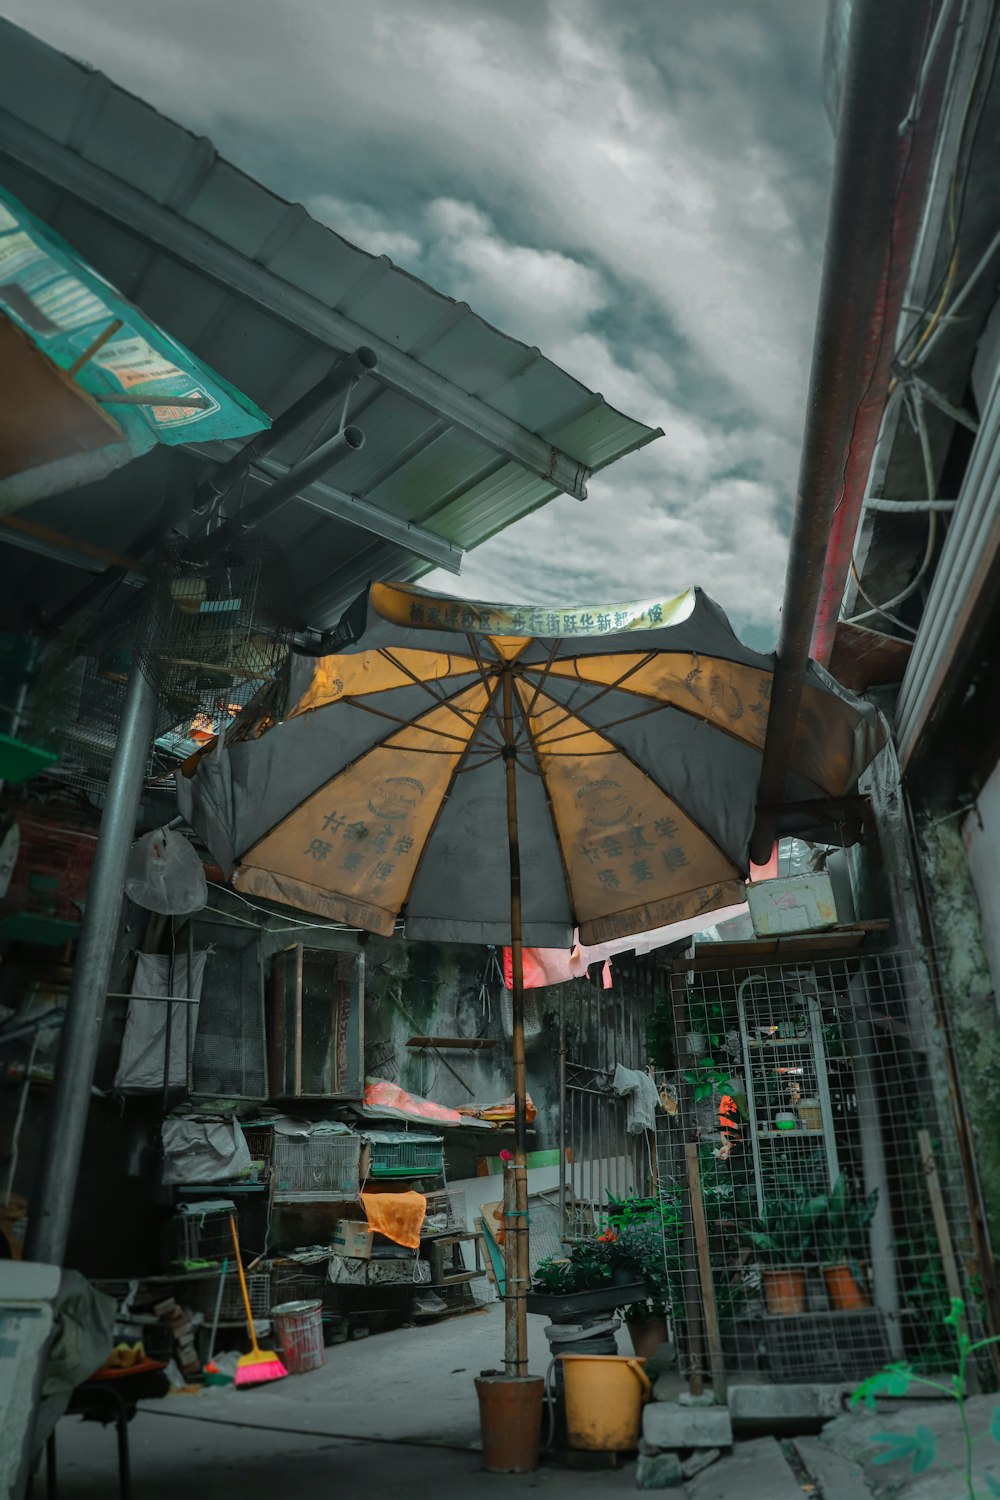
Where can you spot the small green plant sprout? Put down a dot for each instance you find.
(705, 1078)
(920, 1446)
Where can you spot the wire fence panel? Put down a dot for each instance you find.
(837, 1225)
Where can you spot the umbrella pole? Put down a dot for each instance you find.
(516, 1225)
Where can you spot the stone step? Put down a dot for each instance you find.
(756, 1470)
(838, 1478)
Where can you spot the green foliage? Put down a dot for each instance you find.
(920, 1446)
(706, 1016)
(661, 1039)
(648, 1237)
(783, 1234)
(841, 1227)
(705, 1078)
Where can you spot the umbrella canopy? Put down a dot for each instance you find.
(637, 730)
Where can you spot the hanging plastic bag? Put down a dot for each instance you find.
(165, 874)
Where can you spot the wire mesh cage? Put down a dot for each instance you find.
(260, 1144)
(810, 1157)
(48, 886)
(200, 1233)
(230, 1057)
(445, 1212)
(214, 628)
(398, 1153)
(320, 1167)
(202, 1296)
(294, 1282)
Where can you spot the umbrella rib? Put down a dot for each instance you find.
(546, 669)
(608, 688)
(552, 814)
(485, 673)
(442, 699)
(381, 713)
(644, 713)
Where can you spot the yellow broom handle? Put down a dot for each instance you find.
(243, 1285)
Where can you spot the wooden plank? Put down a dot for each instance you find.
(712, 1333)
(464, 1043)
(775, 950)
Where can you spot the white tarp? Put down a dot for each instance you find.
(141, 1064)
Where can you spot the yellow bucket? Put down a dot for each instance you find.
(604, 1397)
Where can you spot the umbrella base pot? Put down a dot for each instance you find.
(510, 1421)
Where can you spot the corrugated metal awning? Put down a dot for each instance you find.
(466, 430)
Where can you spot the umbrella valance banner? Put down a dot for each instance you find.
(381, 795)
(152, 388)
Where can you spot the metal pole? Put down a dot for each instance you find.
(562, 1115)
(515, 1310)
(52, 1202)
(865, 263)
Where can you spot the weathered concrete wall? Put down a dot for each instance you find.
(968, 988)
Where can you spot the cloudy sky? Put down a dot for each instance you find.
(638, 187)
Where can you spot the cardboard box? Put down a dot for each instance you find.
(800, 903)
(353, 1239)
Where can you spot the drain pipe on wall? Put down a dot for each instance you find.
(883, 151)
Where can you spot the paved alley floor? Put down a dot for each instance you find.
(391, 1415)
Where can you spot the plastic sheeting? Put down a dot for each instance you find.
(141, 1063)
(204, 1150)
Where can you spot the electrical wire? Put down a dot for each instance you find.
(915, 407)
(287, 925)
(957, 194)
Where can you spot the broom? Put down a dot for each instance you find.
(260, 1365)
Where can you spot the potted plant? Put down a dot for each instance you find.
(706, 1024)
(783, 1239)
(590, 1277)
(647, 1238)
(841, 1231)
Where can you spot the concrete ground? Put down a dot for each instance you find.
(396, 1415)
(390, 1415)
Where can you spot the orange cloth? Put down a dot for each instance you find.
(398, 1216)
(499, 1113)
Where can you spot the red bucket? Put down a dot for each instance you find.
(299, 1330)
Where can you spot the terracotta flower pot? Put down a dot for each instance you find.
(647, 1336)
(846, 1293)
(785, 1291)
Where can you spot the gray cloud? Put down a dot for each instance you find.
(638, 187)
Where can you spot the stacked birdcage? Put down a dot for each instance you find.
(48, 887)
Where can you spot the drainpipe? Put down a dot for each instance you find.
(881, 165)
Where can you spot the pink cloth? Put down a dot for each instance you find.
(545, 966)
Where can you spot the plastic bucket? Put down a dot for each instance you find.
(298, 1327)
(604, 1397)
(510, 1420)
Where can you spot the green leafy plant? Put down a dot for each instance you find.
(647, 1237)
(706, 1018)
(705, 1078)
(841, 1228)
(661, 1038)
(920, 1446)
(784, 1233)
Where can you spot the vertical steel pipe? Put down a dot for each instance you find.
(52, 1201)
(515, 1308)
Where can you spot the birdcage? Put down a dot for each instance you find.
(48, 887)
(215, 625)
